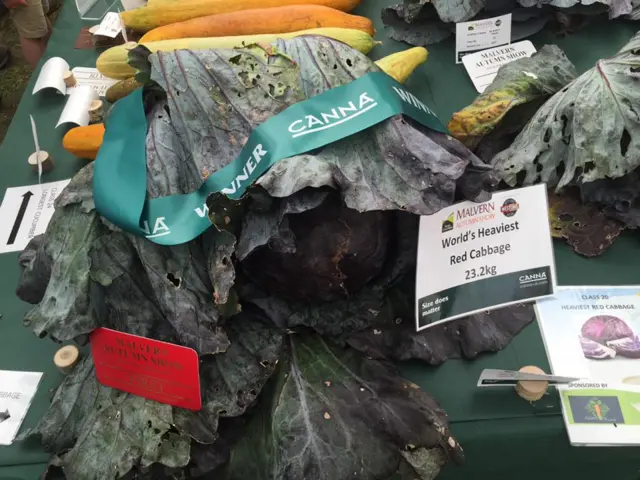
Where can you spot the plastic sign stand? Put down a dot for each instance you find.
(94, 9)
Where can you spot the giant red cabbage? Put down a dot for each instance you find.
(605, 328)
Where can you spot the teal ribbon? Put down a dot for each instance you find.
(120, 175)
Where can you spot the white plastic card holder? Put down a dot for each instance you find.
(94, 9)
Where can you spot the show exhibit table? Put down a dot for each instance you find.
(503, 435)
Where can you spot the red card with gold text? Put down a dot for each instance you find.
(160, 371)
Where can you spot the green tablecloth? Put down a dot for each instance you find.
(504, 436)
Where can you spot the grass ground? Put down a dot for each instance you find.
(14, 78)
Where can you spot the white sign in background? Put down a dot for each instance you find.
(17, 390)
(25, 212)
(482, 34)
(483, 66)
(480, 241)
(110, 26)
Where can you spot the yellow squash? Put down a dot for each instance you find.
(402, 64)
(84, 142)
(162, 12)
(252, 22)
(113, 62)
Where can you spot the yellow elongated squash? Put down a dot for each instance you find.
(290, 18)
(112, 63)
(402, 64)
(158, 13)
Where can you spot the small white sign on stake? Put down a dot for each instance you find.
(17, 390)
(483, 66)
(474, 257)
(25, 212)
(110, 26)
(479, 35)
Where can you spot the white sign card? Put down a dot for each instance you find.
(110, 26)
(594, 333)
(483, 66)
(17, 390)
(482, 34)
(25, 212)
(474, 257)
(92, 78)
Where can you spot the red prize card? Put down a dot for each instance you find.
(156, 370)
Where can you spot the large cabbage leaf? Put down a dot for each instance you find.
(506, 105)
(333, 414)
(423, 22)
(107, 432)
(589, 130)
(215, 99)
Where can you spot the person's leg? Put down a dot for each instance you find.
(34, 30)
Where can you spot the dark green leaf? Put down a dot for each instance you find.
(108, 432)
(332, 414)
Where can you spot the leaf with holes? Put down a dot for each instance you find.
(331, 412)
(589, 130)
(584, 227)
(107, 432)
(520, 86)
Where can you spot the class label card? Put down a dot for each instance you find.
(482, 256)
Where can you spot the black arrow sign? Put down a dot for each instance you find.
(16, 225)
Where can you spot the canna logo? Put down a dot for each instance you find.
(158, 229)
(447, 224)
(332, 118)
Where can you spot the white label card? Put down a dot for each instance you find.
(474, 257)
(25, 212)
(93, 78)
(479, 35)
(110, 26)
(17, 390)
(483, 66)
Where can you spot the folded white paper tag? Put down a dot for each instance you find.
(483, 66)
(110, 26)
(77, 108)
(52, 75)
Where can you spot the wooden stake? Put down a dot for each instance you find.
(66, 358)
(69, 79)
(532, 390)
(96, 111)
(45, 160)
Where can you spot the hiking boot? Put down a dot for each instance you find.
(5, 55)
